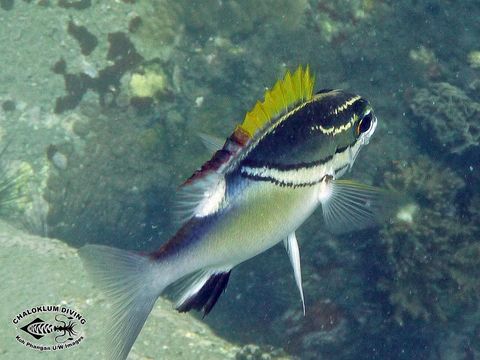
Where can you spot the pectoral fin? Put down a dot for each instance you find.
(348, 205)
(291, 245)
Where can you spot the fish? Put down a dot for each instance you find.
(281, 163)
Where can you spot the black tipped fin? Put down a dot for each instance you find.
(210, 287)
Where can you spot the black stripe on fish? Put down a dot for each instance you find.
(273, 165)
(284, 178)
(206, 298)
(283, 183)
(292, 175)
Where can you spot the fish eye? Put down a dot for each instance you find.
(365, 124)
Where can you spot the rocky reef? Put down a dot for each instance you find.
(431, 247)
(447, 114)
(111, 206)
(255, 352)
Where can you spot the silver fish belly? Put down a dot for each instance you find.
(262, 216)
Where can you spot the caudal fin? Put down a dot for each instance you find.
(130, 282)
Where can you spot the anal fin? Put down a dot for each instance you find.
(291, 245)
(202, 290)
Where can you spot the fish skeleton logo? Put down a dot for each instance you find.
(39, 328)
(61, 329)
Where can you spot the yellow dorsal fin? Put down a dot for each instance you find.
(289, 91)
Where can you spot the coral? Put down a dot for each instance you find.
(474, 59)
(335, 21)
(427, 62)
(434, 259)
(148, 84)
(449, 116)
(423, 55)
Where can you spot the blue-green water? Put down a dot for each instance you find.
(103, 102)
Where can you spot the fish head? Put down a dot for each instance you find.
(341, 118)
(329, 129)
(348, 126)
(345, 123)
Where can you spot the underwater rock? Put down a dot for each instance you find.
(156, 27)
(81, 127)
(9, 105)
(57, 158)
(134, 23)
(122, 57)
(77, 5)
(6, 4)
(126, 154)
(319, 333)
(449, 116)
(208, 18)
(256, 352)
(432, 260)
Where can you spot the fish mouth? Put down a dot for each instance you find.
(352, 154)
